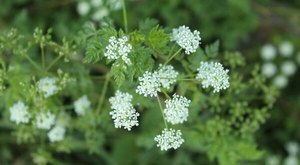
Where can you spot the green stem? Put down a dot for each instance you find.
(32, 62)
(43, 55)
(101, 98)
(165, 93)
(175, 54)
(125, 16)
(161, 110)
(53, 62)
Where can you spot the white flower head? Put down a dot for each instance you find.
(286, 49)
(100, 14)
(123, 114)
(176, 110)
(118, 48)
(47, 86)
(269, 69)
(186, 39)
(96, 3)
(167, 75)
(45, 120)
(57, 133)
(19, 113)
(288, 68)
(280, 81)
(273, 160)
(149, 84)
(268, 52)
(292, 148)
(115, 4)
(291, 160)
(213, 74)
(169, 139)
(82, 104)
(83, 8)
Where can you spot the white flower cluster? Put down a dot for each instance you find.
(98, 8)
(123, 114)
(186, 39)
(269, 66)
(45, 120)
(167, 75)
(118, 48)
(19, 113)
(213, 74)
(169, 139)
(176, 110)
(82, 105)
(47, 86)
(57, 133)
(151, 82)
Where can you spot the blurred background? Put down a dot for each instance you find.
(266, 32)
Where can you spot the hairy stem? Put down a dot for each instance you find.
(104, 90)
(174, 55)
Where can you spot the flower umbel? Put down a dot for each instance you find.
(123, 113)
(57, 133)
(167, 75)
(45, 120)
(149, 84)
(82, 104)
(213, 74)
(176, 110)
(118, 48)
(19, 113)
(47, 86)
(186, 39)
(169, 138)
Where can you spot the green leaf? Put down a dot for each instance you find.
(213, 49)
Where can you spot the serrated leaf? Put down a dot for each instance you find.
(212, 50)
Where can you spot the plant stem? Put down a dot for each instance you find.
(32, 62)
(53, 62)
(101, 98)
(43, 55)
(125, 16)
(165, 93)
(161, 110)
(175, 54)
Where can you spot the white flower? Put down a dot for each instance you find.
(280, 81)
(167, 75)
(57, 133)
(149, 84)
(115, 4)
(269, 69)
(47, 86)
(273, 160)
(118, 48)
(45, 120)
(81, 105)
(19, 113)
(83, 8)
(176, 110)
(292, 148)
(268, 52)
(291, 160)
(286, 49)
(96, 3)
(169, 139)
(100, 14)
(123, 114)
(186, 39)
(288, 68)
(213, 74)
